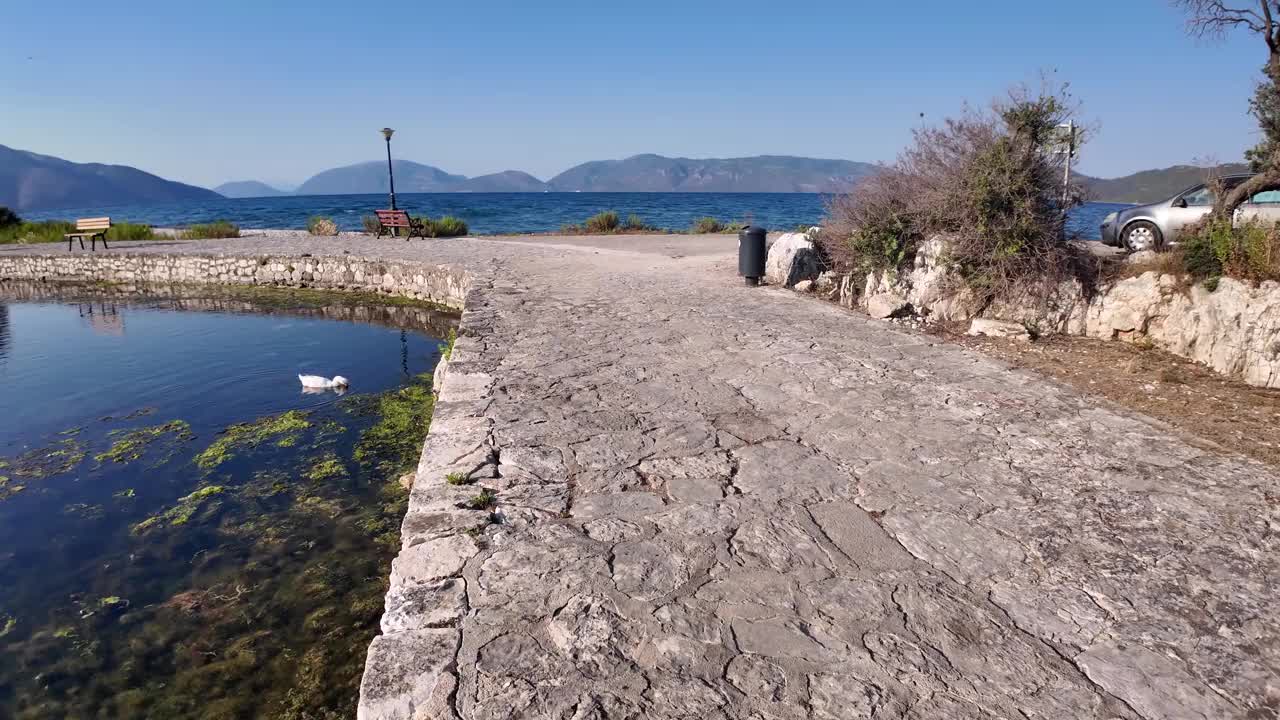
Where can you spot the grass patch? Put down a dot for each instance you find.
(210, 231)
(370, 224)
(709, 225)
(457, 478)
(447, 226)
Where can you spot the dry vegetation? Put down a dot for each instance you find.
(1188, 396)
(988, 180)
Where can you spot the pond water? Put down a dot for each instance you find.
(183, 532)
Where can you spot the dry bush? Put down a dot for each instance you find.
(988, 180)
(1216, 247)
(322, 226)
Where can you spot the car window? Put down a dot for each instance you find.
(1202, 196)
(1266, 197)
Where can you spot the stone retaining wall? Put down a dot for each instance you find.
(435, 283)
(1234, 328)
(410, 670)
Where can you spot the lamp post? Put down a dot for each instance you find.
(386, 133)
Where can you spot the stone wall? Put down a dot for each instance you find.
(1234, 329)
(435, 283)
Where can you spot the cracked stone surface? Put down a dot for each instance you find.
(715, 501)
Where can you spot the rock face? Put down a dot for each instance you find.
(791, 259)
(1234, 329)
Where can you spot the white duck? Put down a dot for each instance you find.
(315, 382)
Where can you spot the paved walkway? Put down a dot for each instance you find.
(731, 502)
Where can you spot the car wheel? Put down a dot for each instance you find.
(1142, 235)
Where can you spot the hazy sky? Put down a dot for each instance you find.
(278, 90)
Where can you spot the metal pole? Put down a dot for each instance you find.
(391, 174)
(1066, 175)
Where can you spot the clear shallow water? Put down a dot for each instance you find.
(158, 561)
(493, 213)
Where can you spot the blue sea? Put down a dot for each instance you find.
(501, 213)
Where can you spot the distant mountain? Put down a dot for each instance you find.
(248, 189)
(371, 177)
(1151, 185)
(506, 181)
(764, 173)
(40, 182)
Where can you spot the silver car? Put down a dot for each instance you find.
(1150, 227)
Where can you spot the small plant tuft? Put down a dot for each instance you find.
(457, 478)
(322, 226)
(484, 500)
(371, 224)
(605, 222)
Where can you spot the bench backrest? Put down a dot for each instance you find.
(393, 218)
(102, 223)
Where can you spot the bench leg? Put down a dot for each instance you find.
(104, 241)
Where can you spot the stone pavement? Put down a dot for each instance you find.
(717, 501)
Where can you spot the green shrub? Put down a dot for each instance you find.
(371, 224)
(211, 231)
(131, 231)
(8, 218)
(448, 226)
(43, 231)
(1216, 248)
(320, 225)
(46, 231)
(635, 223)
(605, 222)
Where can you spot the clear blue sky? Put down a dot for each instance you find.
(237, 89)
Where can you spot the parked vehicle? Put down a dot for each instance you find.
(1150, 227)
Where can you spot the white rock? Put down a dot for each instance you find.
(886, 305)
(996, 328)
(792, 258)
(804, 286)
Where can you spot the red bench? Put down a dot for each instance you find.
(390, 220)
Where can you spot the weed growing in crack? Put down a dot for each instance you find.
(457, 478)
(484, 500)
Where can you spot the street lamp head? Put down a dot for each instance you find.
(386, 132)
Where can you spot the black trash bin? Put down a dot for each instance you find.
(751, 253)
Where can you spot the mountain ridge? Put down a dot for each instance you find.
(248, 189)
(31, 181)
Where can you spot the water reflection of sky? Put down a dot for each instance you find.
(64, 363)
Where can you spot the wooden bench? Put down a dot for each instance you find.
(389, 220)
(92, 228)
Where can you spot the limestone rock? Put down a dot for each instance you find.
(792, 258)
(996, 328)
(804, 286)
(887, 305)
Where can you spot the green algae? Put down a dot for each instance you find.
(41, 463)
(404, 416)
(8, 624)
(250, 435)
(327, 467)
(84, 511)
(181, 513)
(270, 579)
(131, 445)
(447, 351)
